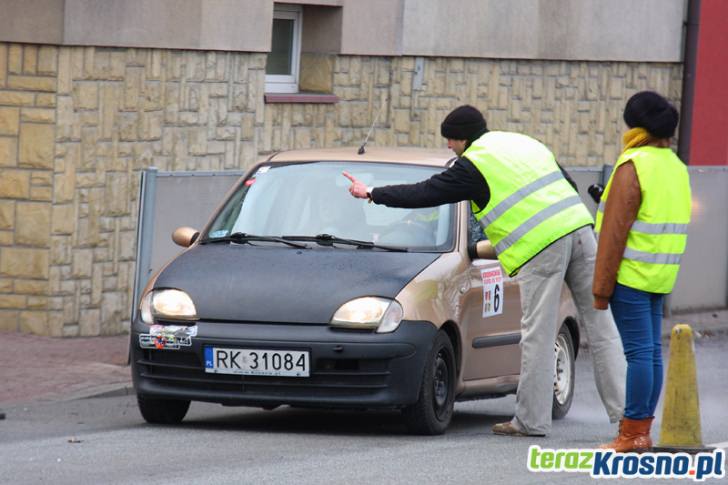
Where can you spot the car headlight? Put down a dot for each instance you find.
(167, 305)
(369, 312)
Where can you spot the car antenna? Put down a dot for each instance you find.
(376, 118)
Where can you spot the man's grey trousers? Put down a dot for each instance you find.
(569, 259)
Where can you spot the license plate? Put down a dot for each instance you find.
(257, 362)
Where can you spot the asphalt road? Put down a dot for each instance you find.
(106, 441)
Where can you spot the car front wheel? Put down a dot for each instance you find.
(432, 412)
(162, 411)
(564, 375)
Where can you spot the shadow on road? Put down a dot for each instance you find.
(333, 422)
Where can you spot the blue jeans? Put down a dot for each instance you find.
(638, 315)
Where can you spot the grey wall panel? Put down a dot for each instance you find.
(596, 30)
(238, 25)
(36, 21)
(615, 30)
(184, 200)
(170, 200)
(372, 27)
(235, 25)
(188, 199)
(703, 279)
(584, 177)
(137, 23)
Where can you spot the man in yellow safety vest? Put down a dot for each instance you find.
(541, 232)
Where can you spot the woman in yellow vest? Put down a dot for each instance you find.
(642, 227)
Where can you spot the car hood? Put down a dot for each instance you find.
(234, 282)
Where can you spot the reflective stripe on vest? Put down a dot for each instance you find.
(651, 227)
(534, 221)
(657, 238)
(659, 228)
(653, 258)
(519, 195)
(531, 204)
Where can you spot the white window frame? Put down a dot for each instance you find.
(277, 83)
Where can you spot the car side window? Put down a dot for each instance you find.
(475, 232)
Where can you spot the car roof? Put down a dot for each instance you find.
(417, 156)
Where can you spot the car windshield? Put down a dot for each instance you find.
(312, 198)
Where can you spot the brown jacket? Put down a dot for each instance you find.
(620, 212)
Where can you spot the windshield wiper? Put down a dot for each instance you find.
(330, 240)
(243, 238)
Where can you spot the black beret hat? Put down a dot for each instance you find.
(463, 123)
(652, 112)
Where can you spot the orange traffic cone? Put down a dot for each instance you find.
(680, 429)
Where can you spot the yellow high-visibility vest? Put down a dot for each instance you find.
(531, 203)
(657, 239)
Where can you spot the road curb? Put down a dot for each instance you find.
(703, 333)
(107, 390)
(700, 330)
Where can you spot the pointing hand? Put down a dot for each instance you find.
(357, 188)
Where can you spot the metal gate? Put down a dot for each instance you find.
(172, 199)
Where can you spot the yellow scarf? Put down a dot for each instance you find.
(636, 137)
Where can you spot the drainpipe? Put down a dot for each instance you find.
(688, 89)
(690, 54)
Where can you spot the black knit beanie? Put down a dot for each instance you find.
(464, 123)
(652, 112)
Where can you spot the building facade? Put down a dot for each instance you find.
(93, 92)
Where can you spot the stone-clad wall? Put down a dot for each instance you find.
(120, 111)
(28, 80)
(77, 124)
(574, 107)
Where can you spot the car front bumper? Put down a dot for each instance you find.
(349, 369)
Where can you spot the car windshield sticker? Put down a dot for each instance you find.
(257, 173)
(220, 233)
(169, 337)
(492, 291)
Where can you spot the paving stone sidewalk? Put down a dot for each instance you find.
(46, 368)
(704, 324)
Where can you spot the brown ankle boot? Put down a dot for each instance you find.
(612, 444)
(634, 435)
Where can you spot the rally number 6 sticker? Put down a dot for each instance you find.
(492, 291)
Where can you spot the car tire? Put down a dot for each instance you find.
(162, 411)
(564, 375)
(432, 412)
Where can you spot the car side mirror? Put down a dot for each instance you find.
(184, 236)
(482, 250)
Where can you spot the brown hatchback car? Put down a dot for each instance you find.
(296, 293)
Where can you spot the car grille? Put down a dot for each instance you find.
(329, 377)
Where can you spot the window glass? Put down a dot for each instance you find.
(282, 65)
(308, 199)
(280, 57)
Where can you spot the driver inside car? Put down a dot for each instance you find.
(338, 215)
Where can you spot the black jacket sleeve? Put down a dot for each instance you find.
(462, 181)
(568, 177)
